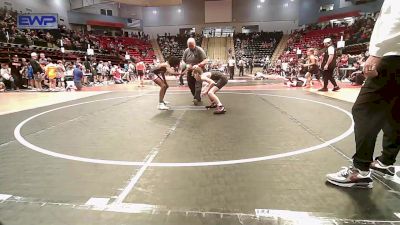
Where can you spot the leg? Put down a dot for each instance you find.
(141, 80)
(332, 79)
(198, 86)
(181, 80)
(163, 89)
(366, 129)
(308, 81)
(325, 78)
(378, 103)
(214, 98)
(191, 83)
(390, 143)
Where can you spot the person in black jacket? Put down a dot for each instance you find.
(15, 67)
(37, 71)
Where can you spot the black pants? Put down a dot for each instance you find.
(181, 80)
(231, 72)
(251, 70)
(241, 71)
(378, 108)
(195, 86)
(327, 75)
(17, 80)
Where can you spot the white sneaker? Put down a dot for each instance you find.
(167, 102)
(162, 106)
(350, 177)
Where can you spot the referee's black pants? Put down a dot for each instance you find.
(378, 108)
(327, 75)
(194, 86)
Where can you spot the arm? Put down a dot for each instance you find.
(170, 70)
(204, 58)
(386, 32)
(385, 36)
(205, 77)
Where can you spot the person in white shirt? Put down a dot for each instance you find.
(378, 105)
(328, 66)
(241, 66)
(231, 66)
(100, 75)
(6, 77)
(131, 71)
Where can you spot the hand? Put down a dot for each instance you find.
(370, 66)
(326, 67)
(195, 66)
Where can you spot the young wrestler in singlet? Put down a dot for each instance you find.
(158, 76)
(216, 81)
(311, 66)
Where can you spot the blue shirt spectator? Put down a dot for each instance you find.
(77, 74)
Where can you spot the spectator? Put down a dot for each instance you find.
(51, 73)
(78, 77)
(60, 74)
(15, 67)
(37, 71)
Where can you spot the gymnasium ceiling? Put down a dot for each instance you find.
(150, 2)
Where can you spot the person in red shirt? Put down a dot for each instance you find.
(140, 68)
(117, 75)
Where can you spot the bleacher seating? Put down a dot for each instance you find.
(106, 48)
(175, 45)
(256, 45)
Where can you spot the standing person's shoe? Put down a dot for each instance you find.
(197, 102)
(220, 110)
(323, 89)
(162, 106)
(382, 169)
(337, 88)
(351, 177)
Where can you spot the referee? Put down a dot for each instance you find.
(194, 56)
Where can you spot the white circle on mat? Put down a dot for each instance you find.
(18, 136)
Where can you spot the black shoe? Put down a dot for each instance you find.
(212, 106)
(220, 110)
(323, 89)
(337, 88)
(382, 169)
(197, 102)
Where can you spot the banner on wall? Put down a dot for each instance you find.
(345, 3)
(37, 21)
(134, 23)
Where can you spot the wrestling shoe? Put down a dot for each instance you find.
(351, 177)
(220, 110)
(382, 169)
(337, 88)
(162, 106)
(323, 89)
(212, 106)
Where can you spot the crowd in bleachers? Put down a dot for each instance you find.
(74, 40)
(174, 45)
(16, 46)
(258, 45)
(46, 74)
(350, 59)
